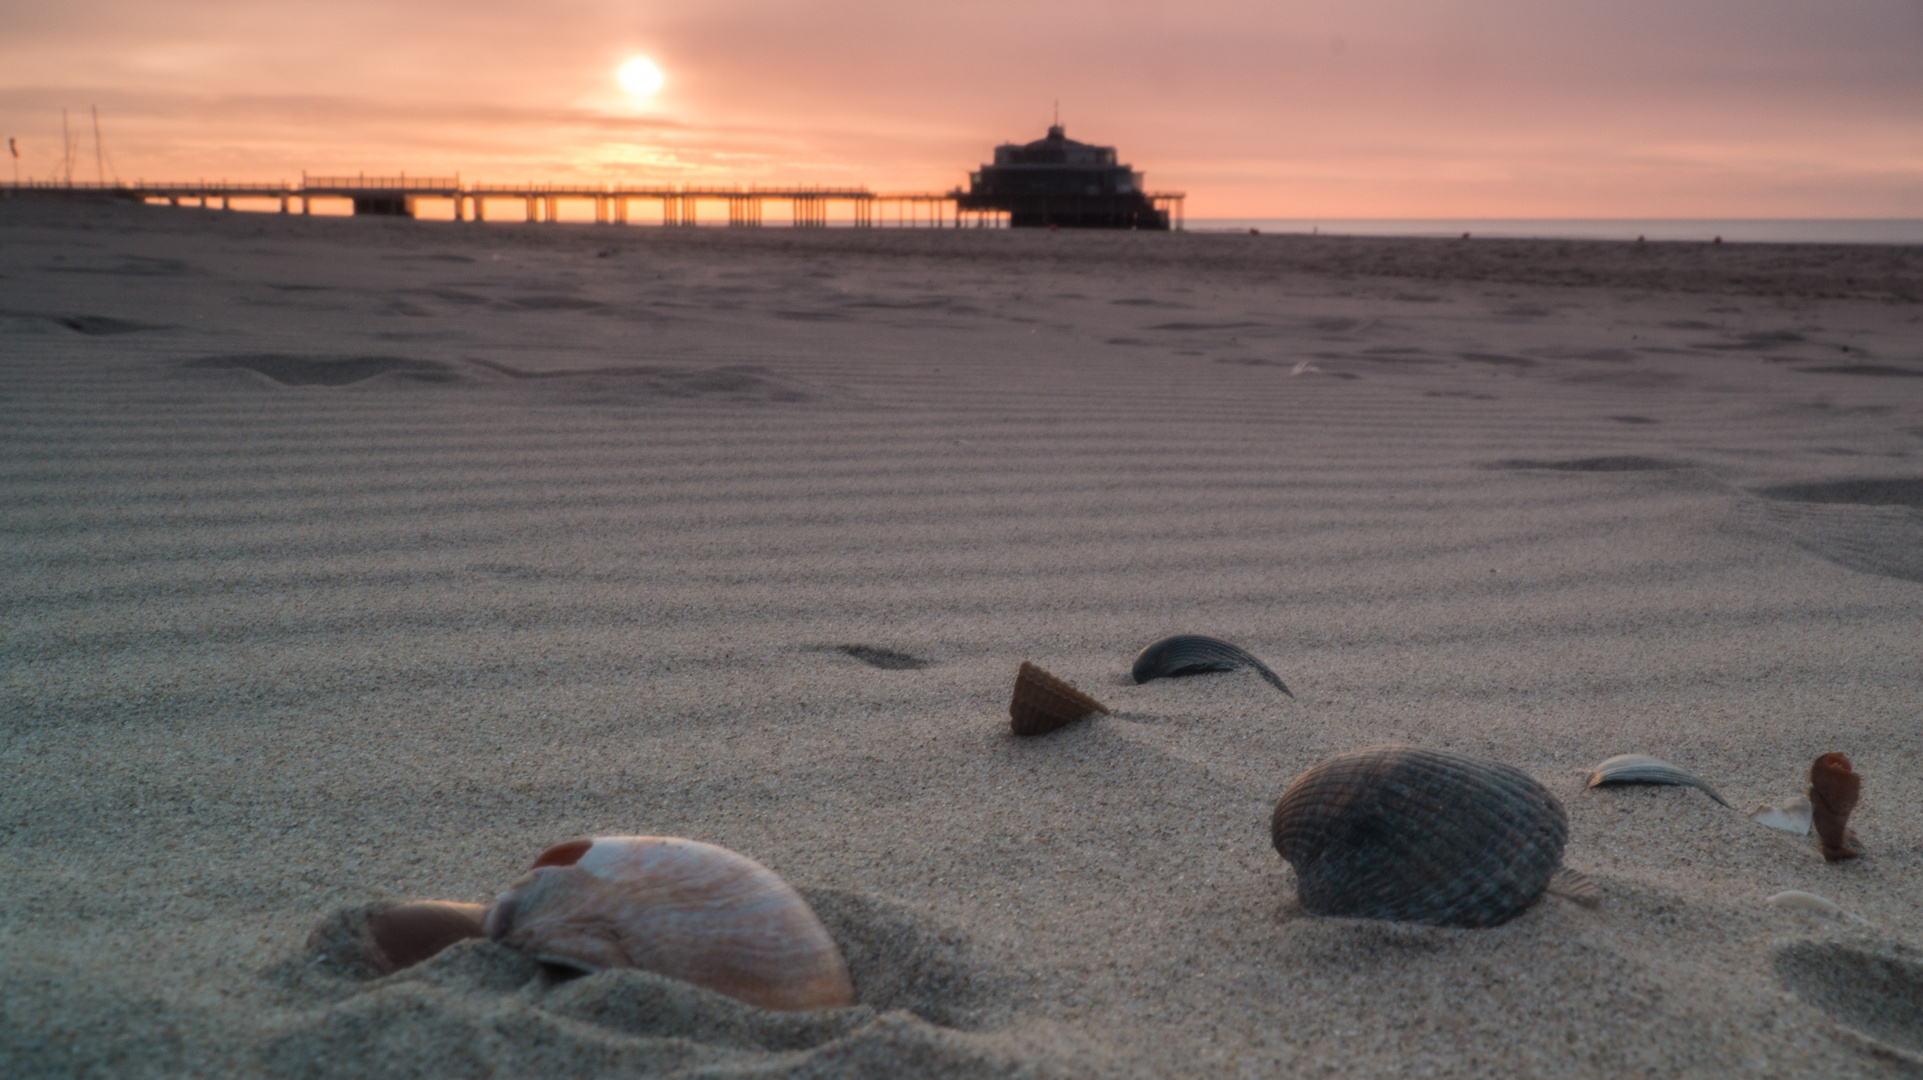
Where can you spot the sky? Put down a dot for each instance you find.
(1254, 108)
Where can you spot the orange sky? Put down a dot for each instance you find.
(1326, 108)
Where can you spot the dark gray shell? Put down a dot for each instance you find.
(1426, 836)
(1643, 769)
(1193, 654)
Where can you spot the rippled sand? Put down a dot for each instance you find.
(353, 560)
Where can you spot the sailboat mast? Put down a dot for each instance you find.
(99, 163)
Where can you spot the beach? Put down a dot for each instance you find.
(354, 560)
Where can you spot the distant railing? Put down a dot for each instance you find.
(139, 186)
(364, 182)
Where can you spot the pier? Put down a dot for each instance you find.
(613, 203)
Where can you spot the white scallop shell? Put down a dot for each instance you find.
(675, 907)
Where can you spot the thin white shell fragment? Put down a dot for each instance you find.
(1791, 817)
(1798, 900)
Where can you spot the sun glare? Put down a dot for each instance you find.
(640, 76)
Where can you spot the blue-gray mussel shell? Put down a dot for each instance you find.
(1193, 654)
(1425, 836)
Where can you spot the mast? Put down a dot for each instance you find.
(66, 147)
(99, 163)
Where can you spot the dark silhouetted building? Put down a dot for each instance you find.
(1058, 181)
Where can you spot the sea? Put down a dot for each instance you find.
(1732, 230)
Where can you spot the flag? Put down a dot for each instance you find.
(13, 147)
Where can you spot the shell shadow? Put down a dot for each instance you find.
(887, 659)
(1874, 991)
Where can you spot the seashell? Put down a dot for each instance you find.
(1798, 900)
(1413, 835)
(1574, 885)
(406, 934)
(1043, 702)
(1193, 654)
(1833, 792)
(380, 939)
(1791, 817)
(1643, 769)
(674, 907)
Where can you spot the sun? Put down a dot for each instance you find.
(640, 77)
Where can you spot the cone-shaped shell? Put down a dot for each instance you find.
(1043, 702)
(1411, 835)
(1834, 789)
(680, 908)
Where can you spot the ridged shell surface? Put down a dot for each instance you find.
(675, 907)
(1194, 654)
(1413, 835)
(1041, 702)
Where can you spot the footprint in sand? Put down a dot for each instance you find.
(291, 370)
(1870, 524)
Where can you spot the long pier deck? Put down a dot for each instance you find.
(397, 196)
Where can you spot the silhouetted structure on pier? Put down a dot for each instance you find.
(1056, 181)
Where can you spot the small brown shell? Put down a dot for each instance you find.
(1043, 702)
(680, 908)
(1834, 789)
(1413, 835)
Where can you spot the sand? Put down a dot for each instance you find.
(350, 560)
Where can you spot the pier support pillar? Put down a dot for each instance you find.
(306, 205)
(530, 208)
(553, 209)
(283, 204)
(460, 208)
(480, 214)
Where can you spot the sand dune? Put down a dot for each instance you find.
(351, 560)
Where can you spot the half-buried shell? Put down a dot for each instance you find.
(1834, 789)
(1413, 835)
(1042, 702)
(380, 939)
(1643, 769)
(1194, 654)
(679, 908)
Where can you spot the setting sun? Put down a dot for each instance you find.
(640, 76)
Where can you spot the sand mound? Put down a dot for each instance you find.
(481, 1009)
